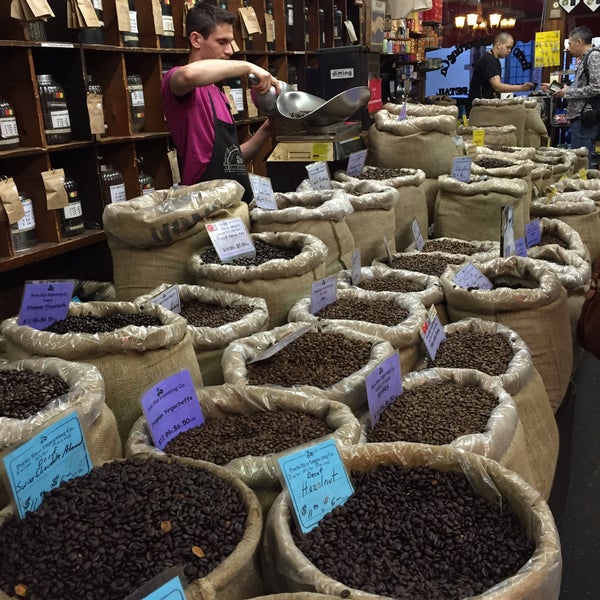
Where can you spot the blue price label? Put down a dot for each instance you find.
(521, 247)
(384, 385)
(470, 277)
(533, 233)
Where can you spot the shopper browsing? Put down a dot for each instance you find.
(585, 86)
(486, 79)
(197, 111)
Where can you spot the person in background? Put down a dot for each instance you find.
(486, 78)
(196, 110)
(585, 86)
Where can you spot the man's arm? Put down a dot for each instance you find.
(500, 87)
(253, 144)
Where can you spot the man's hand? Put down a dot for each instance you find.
(527, 86)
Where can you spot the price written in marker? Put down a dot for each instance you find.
(520, 247)
(45, 302)
(230, 239)
(356, 163)
(262, 189)
(533, 233)
(322, 293)
(318, 175)
(461, 168)
(384, 385)
(169, 299)
(432, 333)
(470, 277)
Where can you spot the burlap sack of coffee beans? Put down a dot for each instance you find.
(321, 213)
(425, 143)
(414, 109)
(463, 408)
(373, 219)
(380, 278)
(487, 112)
(473, 210)
(279, 282)
(529, 299)
(373, 314)
(578, 156)
(515, 153)
(130, 358)
(215, 318)
(534, 128)
(410, 204)
(329, 361)
(151, 237)
(504, 135)
(297, 596)
(561, 166)
(126, 521)
(252, 455)
(577, 210)
(556, 231)
(588, 180)
(413, 536)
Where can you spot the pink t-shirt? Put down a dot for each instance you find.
(190, 121)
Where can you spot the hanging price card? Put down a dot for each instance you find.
(479, 136)
(356, 163)
(318, 175)
(56, 454)
(356, 265)
(432, 333)
(262, 190)
(171, 407)
(470, 277)
(230, 239)
(520, 247)
(45, 302)
(533, 233)
(317, 481)
(416, 231)
(322, 293)
(384, 385)
(461, 168)
(169, 299)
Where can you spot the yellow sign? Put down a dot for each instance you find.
(479, 136)
(547, 49)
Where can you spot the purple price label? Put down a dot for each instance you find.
(520, 247)
(533, 233)
(384, 385)
(171, 407)
(45, 302)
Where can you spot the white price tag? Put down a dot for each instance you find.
(318, 175)
(117, 193)
(470, 277)
(73, 210)
(133, 24)
(60, 119)
(432, 332)
(416, 230)
(323, 292)
(461, 168)
(230, 239)
(356, 276)
(263, 192)
(356, 163)
(169, 299)
(384, 385)
(508, 232)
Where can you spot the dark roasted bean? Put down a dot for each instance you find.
(552, 239)
(104, 324)
(513, 282)
(450, 246)
(264, 253)
(382, 312)
(206, 314)
(381, 173)
(424, 262)
(391, 284)
(493, 163)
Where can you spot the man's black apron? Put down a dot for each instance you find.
(226, 161)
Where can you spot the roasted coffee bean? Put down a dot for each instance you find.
(264, 253)
(552, 239)
(390, 284)
(430, 264)
(207, 314)
(503, 148)
(24, 393)
(381, 173)
(221, 440)
(490, 353)
(450, 246)
(298, 114)
(104, 324)
(382, 312)
(493, 163)
(101, 536)
(316, 358)
(513, 282)
(435, 413)
(416, 534)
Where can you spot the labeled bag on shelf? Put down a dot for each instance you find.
(215, 318)
(151, 237)
(279, 282)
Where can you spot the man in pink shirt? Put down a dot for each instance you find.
(197, 111)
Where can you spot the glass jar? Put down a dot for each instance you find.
(57, 125)
(138, 105)
(131, 38)
(146, 183)
(112, 184)
(37, 31)
(167, 40)
(23, 231)
(71, 216)
(9, 133)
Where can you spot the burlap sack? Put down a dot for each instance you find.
(404, 336)
(350, 391)
(130, 359)
(541, 179)
(296, 596)
(570, 238)
(504, 135)
(578, 211)
(279, 282)
(561, 166)
(515, 153)
(486, 112)
(94, 291)
(577, 156)
(373, 219)
(430, 187)
(410, 203)
(534, 129)
(219, 402)
(237, 576)
(209, 342)
(538, 579)
(321, 213)
(531, 313)
(425, 143)
(425, 110)
(473, 210)
(151, 237)
(85, 394)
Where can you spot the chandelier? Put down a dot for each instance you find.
(476, 20)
